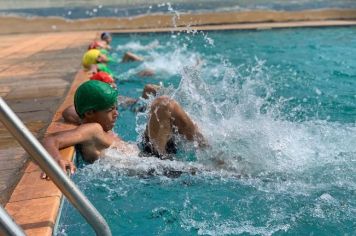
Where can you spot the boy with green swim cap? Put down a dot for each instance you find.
(95, 103)
(94, 96)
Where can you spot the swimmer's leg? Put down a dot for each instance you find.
(129, 56)
(166, 118)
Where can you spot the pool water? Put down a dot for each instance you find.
(278, 108)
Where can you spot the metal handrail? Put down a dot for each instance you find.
(52, 169)
(7, 225)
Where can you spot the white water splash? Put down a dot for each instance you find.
(137, 46)
(229, 112)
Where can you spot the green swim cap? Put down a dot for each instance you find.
(94, 95)
(107, 54)
(104, 51)
(103, 67)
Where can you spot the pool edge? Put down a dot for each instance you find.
(169, 21)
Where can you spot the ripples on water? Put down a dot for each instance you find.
(278, 109)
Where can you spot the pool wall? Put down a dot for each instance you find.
(16, 24)
(34, 204)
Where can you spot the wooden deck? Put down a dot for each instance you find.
(36, 71)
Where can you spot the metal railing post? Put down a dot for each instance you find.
(52, 169)
(8, 226)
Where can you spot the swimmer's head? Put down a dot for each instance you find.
(103, 77)
(93, 56)
(90, 58)
(95, 45)
(94, 95)
(106, 36)
(104, 68)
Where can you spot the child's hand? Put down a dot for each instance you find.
(45, 176)
(65, 165)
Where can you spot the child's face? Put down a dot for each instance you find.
(102, 58)
(108, 39)
(106, 118)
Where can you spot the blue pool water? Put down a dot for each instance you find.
(278, 108)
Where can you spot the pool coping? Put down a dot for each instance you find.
(172, 20)
(35, 203)
(244, 26)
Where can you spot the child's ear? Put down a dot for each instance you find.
(89, 114)
(102, 58)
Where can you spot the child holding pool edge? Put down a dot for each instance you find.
(96, 105)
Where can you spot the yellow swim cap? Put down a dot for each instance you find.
(90, 58)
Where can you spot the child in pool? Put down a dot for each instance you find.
(93, 57)
(96, 105)
(105, 42)
(70, 115)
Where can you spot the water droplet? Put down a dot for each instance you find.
(317, 91)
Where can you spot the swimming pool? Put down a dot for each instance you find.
(278, 108)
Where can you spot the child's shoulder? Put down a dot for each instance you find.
(90, 127)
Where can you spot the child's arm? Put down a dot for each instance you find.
(86, 132)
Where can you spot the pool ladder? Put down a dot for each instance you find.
(52, 169)
(8, 226)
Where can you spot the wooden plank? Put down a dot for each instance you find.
(34, 78)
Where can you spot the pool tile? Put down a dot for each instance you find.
(31, 167)
(31, 186)
(35, 223)
(67, 154)
(43, 231)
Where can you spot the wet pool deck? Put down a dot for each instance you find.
(35, 75)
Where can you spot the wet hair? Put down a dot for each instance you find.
(105, 35)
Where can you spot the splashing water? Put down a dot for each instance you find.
(278, 109)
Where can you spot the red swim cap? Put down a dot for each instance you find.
(102, 76)
(95, 45)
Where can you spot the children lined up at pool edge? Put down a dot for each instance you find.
(95, 111)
